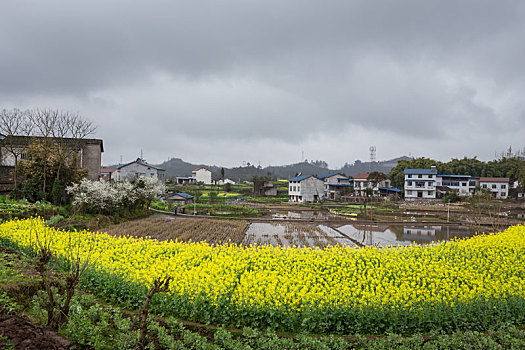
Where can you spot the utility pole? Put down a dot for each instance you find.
(448, 211)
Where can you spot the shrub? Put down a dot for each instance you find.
(104, 197)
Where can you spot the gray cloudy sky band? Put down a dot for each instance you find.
(233, 81)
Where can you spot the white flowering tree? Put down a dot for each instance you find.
(98, 196)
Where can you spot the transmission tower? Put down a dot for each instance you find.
(372, 157)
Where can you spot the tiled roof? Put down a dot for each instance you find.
(494, 179)
(361, 176)
(138, 161)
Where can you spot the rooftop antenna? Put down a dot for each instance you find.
(302, 156)
(372, 157)
(120, 159)
(141, 155)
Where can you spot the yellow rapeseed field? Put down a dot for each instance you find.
(408, 278)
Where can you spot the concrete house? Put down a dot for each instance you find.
(463, 185)
(201, 175)
(499, 186)
(139, 168)
(262, 188)
(305, 188)
(334, 184)
(362, 183)
(225, 181)
(180, 198)
(420, 183)
(89, 151)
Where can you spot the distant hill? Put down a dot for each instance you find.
(364, 167)
(178, 167)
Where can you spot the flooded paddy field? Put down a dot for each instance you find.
(294, 234)
(289, 234)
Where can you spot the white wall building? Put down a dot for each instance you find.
(201, 175)
(420, 183)
(305, 188)
(464, 185)
(499, 186)
(226, 181)
(139, 168)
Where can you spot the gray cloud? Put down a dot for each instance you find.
(269, 79)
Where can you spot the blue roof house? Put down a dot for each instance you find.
(306, 188)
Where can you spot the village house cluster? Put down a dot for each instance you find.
(428, 184)
(419, 184)
(336, 186)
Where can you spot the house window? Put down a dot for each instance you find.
(493, 186)
(420, 176)
(409, 183)
(503, 187)
(502, 194)
(464, 184)
(484, 185)
(430, 176)
(409, 176)
(409, 193)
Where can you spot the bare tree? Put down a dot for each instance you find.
(60, 132)
(69, 132)
(14, 123)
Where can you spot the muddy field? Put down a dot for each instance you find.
(24, 335)
(185, 230)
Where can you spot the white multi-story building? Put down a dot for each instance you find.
(201, 175)
(464, 185)
(420, 183)
(305, 188)
(499, 186)
(333, 184)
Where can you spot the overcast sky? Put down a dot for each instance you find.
(222, 82)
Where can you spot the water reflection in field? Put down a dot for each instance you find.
(310, 235)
